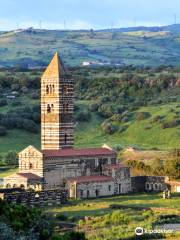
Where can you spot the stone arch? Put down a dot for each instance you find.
(47, 89)
(52, 107)
(155, 187)
(8, 185)
(48, 108)
(148, 186)
(30, 166)
(159, 186)
(22, 186)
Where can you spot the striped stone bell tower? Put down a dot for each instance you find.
(57, 107)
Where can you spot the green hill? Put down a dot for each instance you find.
(91, 134)
(137, 46)
(128, 106)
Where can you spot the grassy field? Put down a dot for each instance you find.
(5, 171)
(99, 221)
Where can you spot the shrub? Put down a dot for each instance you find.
(3, 102)
(30, 126)
(3, 131)
(171, 124)
(11, 158)
(15, 87)
(142, 115)
(94, 107)
(16, 103)
(35, 95)
(83, 116)
(61, 217)
(108, 127)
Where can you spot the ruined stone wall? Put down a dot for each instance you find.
(41, 198)
(148, 183)
(138, 183)
(155, 183)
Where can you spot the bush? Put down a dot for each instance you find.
(15, 87)
(171, 124)
(108, 127)
(3, 102)
(30, 126)
(16, 103)
(94, 107)
(35, 95)
(142, 115)
(83, 116)
(3, 131)
(61, 217)
(11, 158)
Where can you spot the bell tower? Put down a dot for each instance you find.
(57, 107)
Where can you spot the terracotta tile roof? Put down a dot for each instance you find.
(29, 175)
(84, 179)
(54, 69)
(175, 183)
(78, 152)
(114, 166)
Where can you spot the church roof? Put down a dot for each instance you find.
(78, 152)
(18, 175)
(85, 179)
(55, 68)
(31, 176)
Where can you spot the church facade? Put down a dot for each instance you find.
(87, 172)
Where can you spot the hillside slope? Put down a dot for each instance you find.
(138, 46)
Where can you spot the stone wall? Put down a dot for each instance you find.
(138, 183)
(148, 184)
(91, 189)
(42, 198)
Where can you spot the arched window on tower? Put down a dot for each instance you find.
(65, 107)
(48, 108)
(47, 89)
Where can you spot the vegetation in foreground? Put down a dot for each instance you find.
(117, 217)
(18, 222)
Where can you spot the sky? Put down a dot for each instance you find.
(87, 14)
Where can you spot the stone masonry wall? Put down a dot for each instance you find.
(42, 198)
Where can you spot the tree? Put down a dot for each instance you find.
(11, 158)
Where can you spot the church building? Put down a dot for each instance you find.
(87, 172)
